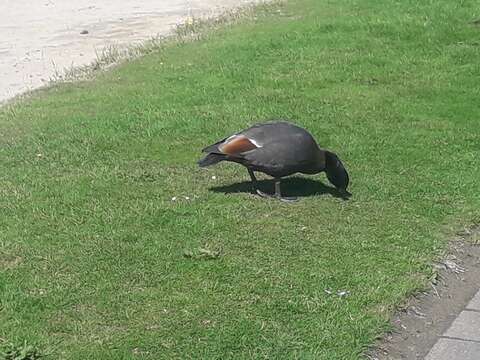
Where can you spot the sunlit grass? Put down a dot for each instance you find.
(98, 262)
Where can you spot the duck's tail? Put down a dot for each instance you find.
(211, 159)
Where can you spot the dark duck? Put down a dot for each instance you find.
(278, 149)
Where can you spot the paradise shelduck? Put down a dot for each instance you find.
(278, 149)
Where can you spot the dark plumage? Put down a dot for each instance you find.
(278, 149)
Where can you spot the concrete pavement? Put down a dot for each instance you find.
(461, 341)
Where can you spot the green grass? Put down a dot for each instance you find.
(97, 261)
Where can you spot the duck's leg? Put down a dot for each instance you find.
(278, 192)
(254, 179)
(255, 184)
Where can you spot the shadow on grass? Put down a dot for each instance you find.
(292, 186)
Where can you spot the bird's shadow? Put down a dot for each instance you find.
(292, 186)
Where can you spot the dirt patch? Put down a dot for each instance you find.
(429, 314)
(9, 262)
(40, 40)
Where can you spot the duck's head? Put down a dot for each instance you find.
(336, 173)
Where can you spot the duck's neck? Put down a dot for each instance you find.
(319, 163)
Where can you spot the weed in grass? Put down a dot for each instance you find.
(202, 253)
(9, 351)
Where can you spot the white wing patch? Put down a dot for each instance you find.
(256, 143)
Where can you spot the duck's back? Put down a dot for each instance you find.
(284, 149)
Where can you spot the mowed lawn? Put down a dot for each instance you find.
(98, 262)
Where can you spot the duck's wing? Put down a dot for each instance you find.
(234, 145)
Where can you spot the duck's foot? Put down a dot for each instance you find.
(278, 193)
(263, 194)
(287, 199)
